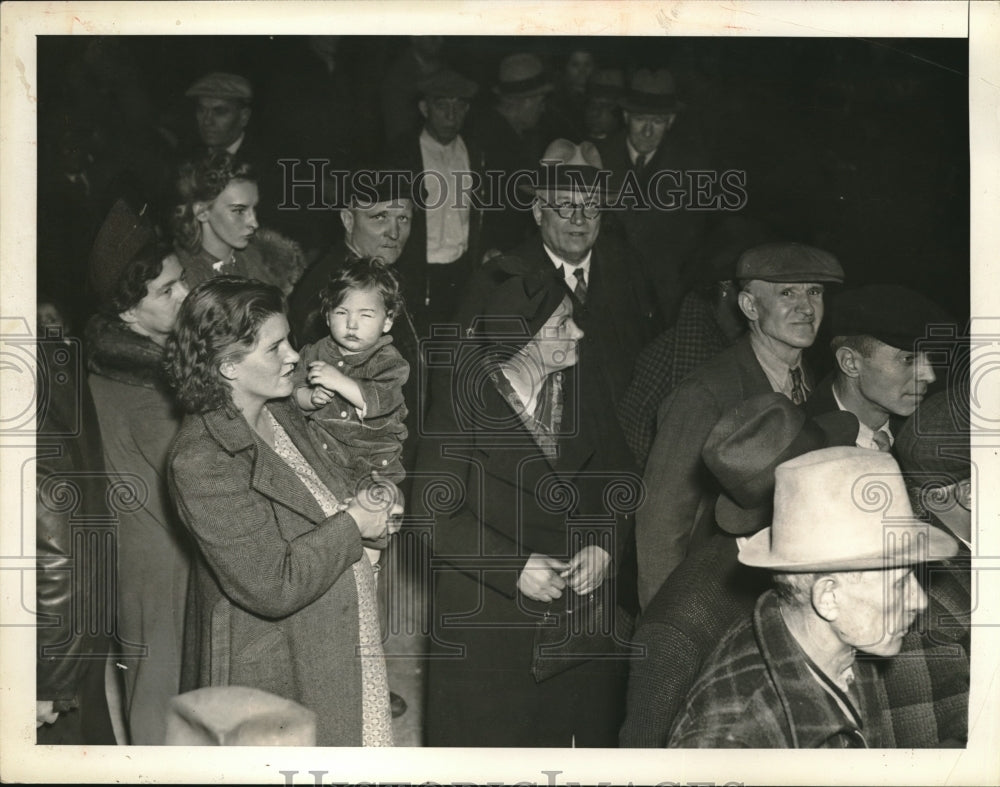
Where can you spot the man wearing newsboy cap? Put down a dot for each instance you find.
(781, 297)
(841, 550)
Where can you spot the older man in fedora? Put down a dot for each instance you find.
(781, 297)
(451, 170)
(652, 162)
(843, 574)
(710, 590)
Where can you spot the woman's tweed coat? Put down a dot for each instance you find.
(273, 603)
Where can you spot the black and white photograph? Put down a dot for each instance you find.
(547, 393)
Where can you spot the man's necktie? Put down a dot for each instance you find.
(881, 439)
(798, 388)
(581, 285)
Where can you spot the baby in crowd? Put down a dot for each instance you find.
(350, 383)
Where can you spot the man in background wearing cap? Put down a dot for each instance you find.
(222, 110)
(510, 134)
(450, 223)
(782, 299)
(881, 374)
(139, 282)
(648, 145)
(843, 582)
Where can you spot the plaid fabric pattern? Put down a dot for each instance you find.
(927, 684)
(756, 691)
(663, 363)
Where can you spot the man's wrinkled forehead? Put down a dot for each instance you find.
(574, 195)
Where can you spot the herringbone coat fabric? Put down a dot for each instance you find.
(273, 601)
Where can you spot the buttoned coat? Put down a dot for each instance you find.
(681, 492)
(273, 601)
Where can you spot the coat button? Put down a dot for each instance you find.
(343, 413)
(324, 447)
(340, 363)
(385, 462)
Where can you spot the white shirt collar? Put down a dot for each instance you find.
(231, 149)
(568, 268)
(866, 435)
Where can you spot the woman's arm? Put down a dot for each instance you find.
(237, 529)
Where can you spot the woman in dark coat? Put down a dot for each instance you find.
(533, 528)
(282, 598)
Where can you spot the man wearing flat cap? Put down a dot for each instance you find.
(881, 373)
(453, 168)
(781, 297)
(650, 160)
(844, 582)
(139, 282)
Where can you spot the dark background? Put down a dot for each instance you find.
(858, 146)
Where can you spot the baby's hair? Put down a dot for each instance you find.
(367, 273)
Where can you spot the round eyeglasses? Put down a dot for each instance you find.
(567, 210)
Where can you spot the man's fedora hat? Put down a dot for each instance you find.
(843, 509)
(651, 93)
(447, 83)
(895, 315)
(238, 716)
(788, 263)
(567, 165)
(222, 85)
(522, 74)
(751, 440)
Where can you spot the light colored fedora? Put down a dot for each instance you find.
(238, 716)
(843, 509)
(568, 165)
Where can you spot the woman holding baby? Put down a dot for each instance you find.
(283, 598)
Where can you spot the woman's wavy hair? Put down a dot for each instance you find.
(367, 273)
(132, 284)
(219, 321)
(202, 180)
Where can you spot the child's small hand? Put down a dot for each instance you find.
(319, 396)
(321, 373)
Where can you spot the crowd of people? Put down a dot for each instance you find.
(682, 478)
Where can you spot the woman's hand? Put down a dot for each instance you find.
(587, 570)
(540, 578)
(377, 508)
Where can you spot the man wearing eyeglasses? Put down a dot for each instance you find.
(451, 168)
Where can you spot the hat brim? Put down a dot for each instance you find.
(757, 552)
(737, 520)
(651, 108)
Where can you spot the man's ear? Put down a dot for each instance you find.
(347, 219)
(747, 305)
(245, 117)
(848, 361)
(824, 597)
(422, 106)
(536, 211)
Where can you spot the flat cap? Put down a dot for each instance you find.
(789, 262)
(894, 315)
(124, 233)
(221, 85)
(447, 83)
